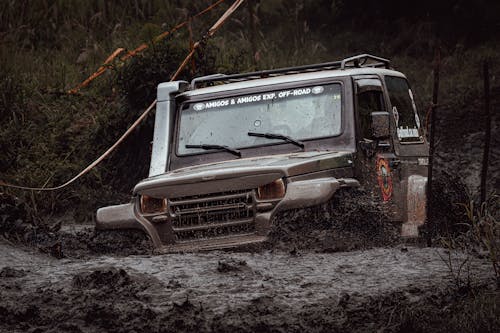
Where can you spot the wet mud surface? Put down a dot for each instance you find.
(20, 226)
(341, 267)
(323, 270)
(352, 220)
(223, 291)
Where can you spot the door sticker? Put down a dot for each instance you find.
(384, 178)
(396, 115)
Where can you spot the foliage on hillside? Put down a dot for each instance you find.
(50, 46)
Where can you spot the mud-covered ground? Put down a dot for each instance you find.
(322, 271)
(371, 290)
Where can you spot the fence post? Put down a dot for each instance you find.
(435, 94)
(487, 134)
(253, 30)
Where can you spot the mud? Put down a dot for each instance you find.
(352, 220)
(55, 279)
(19, 225)
(270, 291)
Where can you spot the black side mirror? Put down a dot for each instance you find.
(380, 125)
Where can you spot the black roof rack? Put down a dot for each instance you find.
(362, 60)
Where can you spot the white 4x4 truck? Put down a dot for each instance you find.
(231, 151)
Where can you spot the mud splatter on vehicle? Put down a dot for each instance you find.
(232, 152)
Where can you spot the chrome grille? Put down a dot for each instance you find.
(213, 215)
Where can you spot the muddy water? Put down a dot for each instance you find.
(215, 290)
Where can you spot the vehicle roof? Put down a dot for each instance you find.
(289, 78)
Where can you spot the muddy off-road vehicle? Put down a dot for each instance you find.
(231, 151)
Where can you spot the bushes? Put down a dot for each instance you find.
(139, 78)
(58, 135)
(47, 136)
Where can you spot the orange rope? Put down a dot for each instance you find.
(101, 70)
(209, 34)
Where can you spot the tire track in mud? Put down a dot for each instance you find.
(219, 291)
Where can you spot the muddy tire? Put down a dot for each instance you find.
(351, 220)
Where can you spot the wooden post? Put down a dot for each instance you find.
(435, 94)
(253, 30)
(487, 134)
(191, 44)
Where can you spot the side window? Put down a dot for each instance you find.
(404, 109)
(369, 101)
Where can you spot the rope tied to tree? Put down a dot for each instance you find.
(107, 64)
(136, 123)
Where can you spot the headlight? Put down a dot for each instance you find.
(274, 190)
(150, 205)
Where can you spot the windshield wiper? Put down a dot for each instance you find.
(279, 137)
(210, 147)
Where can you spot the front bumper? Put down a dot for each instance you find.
(218, 220)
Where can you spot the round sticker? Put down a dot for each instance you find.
(318, 90)
(199, 106)
(384, 178)
(396, 115)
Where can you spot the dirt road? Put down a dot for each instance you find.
(222, 291)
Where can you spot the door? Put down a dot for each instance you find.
(377, 164)
(411, 151)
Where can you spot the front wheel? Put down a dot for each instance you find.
(352, 219)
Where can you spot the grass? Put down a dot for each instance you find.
(48, 136)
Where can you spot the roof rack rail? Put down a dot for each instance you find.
(359, 61)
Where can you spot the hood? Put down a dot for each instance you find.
(240, 174)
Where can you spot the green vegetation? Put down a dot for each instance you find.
(50, 46)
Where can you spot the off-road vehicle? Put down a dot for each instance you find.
(231, 151)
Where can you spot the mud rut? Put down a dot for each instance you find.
(221, 291)
(76, 280)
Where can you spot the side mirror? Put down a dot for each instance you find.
(380, 125)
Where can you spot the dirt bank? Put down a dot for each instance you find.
(226, 292)
(19, 225)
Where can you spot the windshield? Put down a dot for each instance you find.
(299, 113)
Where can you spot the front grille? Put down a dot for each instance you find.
(213, 215)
